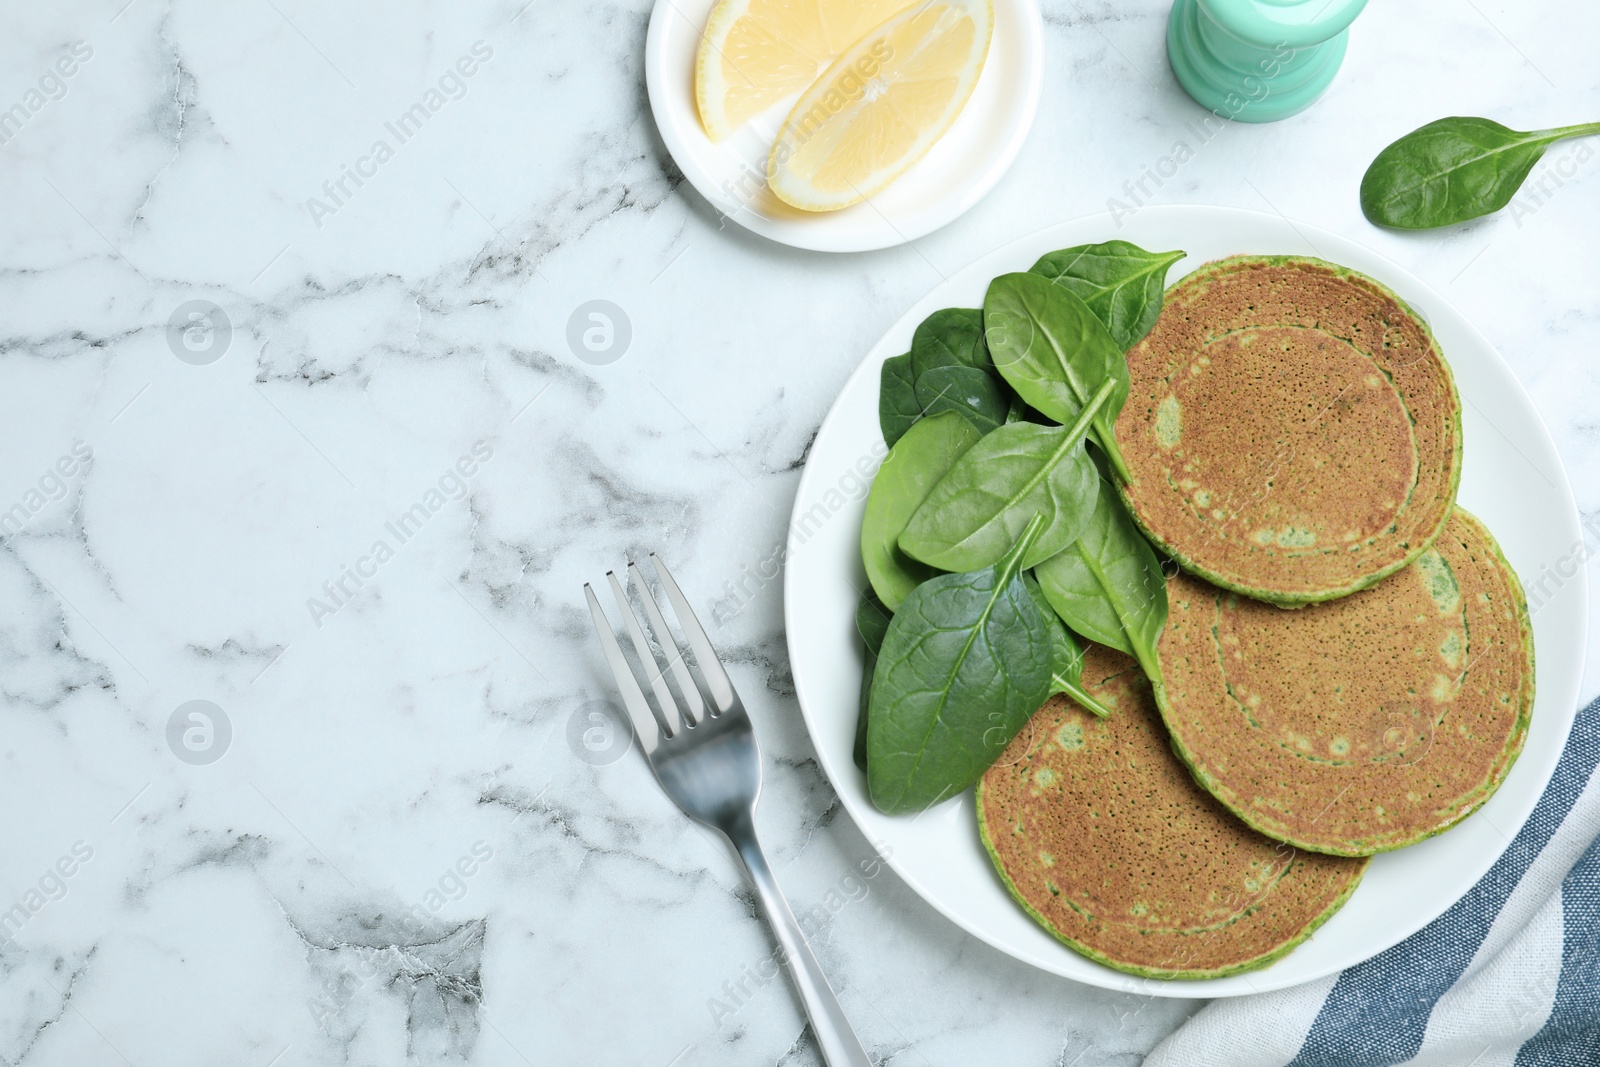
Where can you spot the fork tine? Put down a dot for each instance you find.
(710, 666)
(647, 658)
(644, 721)
(696, 709)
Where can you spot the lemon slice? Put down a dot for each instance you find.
(881, 105)
(755, 53)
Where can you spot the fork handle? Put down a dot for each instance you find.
(839, 1044)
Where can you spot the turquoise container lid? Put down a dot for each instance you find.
(1258, 60)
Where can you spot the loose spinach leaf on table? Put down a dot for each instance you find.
(965, 663)
(872, 623)
(1120, 282)
(897, 398)
(1108, 584)
(1055, 353)
(1066, 656)
(1452, 170)
(910, 471)
(977, 511)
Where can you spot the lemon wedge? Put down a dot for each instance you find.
(755, 53)
(881, 105)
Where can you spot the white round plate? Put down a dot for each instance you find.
(960, 168)
(1511, 478)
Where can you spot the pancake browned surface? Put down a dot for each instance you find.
(1291, 431)
(1104, 838)
(1365, 724)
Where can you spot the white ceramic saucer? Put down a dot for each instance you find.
(963, 166)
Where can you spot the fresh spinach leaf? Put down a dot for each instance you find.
(1120, 282)
(1108, 584)
(1056, 354)
(950, 337)
(947, 369)
(909, 472)
(1017, 409)
(966, 662)
(1066, 655)
(872, 623)
(976, 512)
(1453, 169)
(951, 369)
(869, 667)
(897, 398)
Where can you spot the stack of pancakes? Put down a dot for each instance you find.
(1293, 437)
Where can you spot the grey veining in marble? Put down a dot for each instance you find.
(403, 855)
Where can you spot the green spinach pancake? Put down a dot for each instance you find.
(1361, 725)
(1291, 432)
(1104, 838)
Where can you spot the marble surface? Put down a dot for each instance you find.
(409, 849)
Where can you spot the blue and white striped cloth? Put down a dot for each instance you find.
(1508, 977)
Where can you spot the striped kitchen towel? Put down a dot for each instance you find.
(1508, 977)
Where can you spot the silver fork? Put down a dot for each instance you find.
(706, 758)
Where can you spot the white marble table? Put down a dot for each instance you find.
(400, 855)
